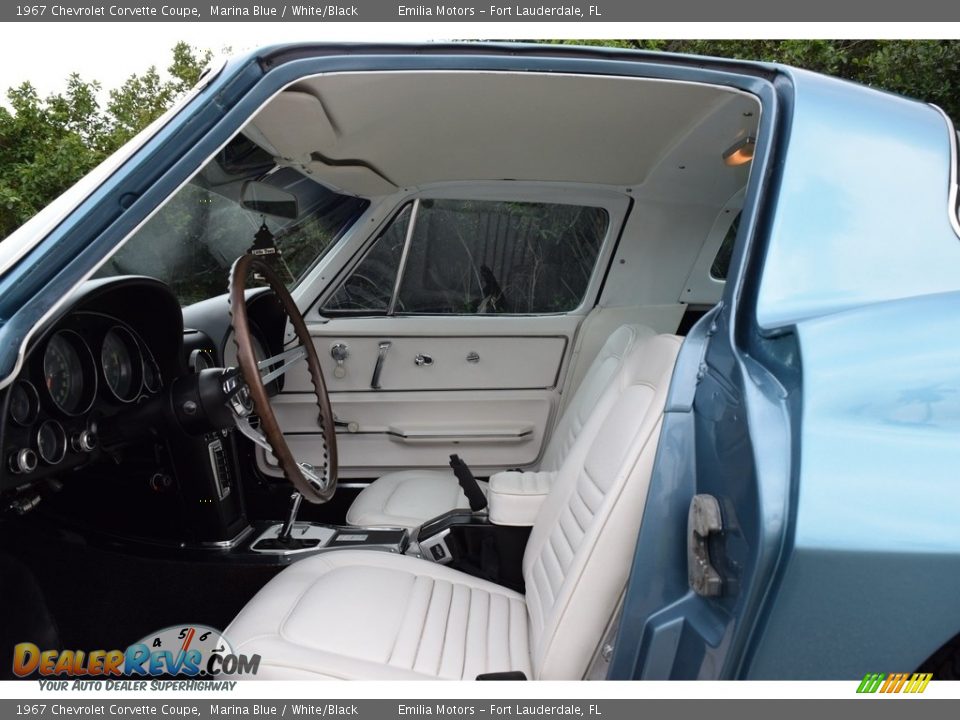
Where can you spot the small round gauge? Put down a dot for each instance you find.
(24, 403)
(69, 373)
(51, 442)
(200, 360)
(122, 364)
(151, 375)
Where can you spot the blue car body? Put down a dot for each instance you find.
(819, 402)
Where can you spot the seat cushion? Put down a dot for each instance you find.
(408, 498)
(362, 614)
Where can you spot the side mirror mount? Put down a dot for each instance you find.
(268, 199)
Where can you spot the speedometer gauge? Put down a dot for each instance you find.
(122, 364)
(69, 374)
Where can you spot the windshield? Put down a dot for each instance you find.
(192, 241)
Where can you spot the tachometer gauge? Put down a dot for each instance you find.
(24, 403)
(69, 372)
(51, 442)
(122, 364)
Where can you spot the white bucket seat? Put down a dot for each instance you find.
(362, 614)
(411, 497)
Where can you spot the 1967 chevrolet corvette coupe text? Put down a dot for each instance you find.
(587, 364)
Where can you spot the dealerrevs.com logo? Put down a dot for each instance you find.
(194, 651)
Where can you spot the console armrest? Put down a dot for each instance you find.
(515, 497)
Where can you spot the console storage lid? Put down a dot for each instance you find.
(515, 497)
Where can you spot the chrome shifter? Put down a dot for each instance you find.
(284, 535)
(280, 539)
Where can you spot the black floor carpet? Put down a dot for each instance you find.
(102, 599)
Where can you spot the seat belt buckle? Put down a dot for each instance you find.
(435, 548)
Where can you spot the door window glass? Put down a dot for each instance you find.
(370, 286)
(472, 256)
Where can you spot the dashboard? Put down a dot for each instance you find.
(118, 345)
(95, 428)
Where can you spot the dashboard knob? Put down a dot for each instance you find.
(23, 461)
(84, 441)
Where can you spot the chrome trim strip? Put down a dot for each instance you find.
(403, 256)
(953, 210)
(441, 436)
(227, 544)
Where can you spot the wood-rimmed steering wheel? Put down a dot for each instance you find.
(316, 484)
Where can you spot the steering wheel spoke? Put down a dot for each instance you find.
(247, 429)
(288, 358)
(318, 478)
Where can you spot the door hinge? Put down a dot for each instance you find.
(703, 520)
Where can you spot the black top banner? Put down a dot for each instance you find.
(482, 11)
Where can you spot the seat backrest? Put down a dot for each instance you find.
(605, 366)
(578, 556)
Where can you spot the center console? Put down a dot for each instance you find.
(307, 537)
(470, 542)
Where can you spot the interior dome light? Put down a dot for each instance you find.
(740, 153)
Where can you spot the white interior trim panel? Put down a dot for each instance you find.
(491, 430)
(435, 363)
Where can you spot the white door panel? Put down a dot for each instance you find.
(491, 430)
(494, 412)
(445, 363)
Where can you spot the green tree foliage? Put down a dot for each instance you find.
(928, 70)
(47, 144)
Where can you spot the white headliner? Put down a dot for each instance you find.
(372, 133)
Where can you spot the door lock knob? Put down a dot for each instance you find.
(340, 352)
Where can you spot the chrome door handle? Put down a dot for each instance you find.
(384, 347)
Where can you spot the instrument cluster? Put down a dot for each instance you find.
(90, 368)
